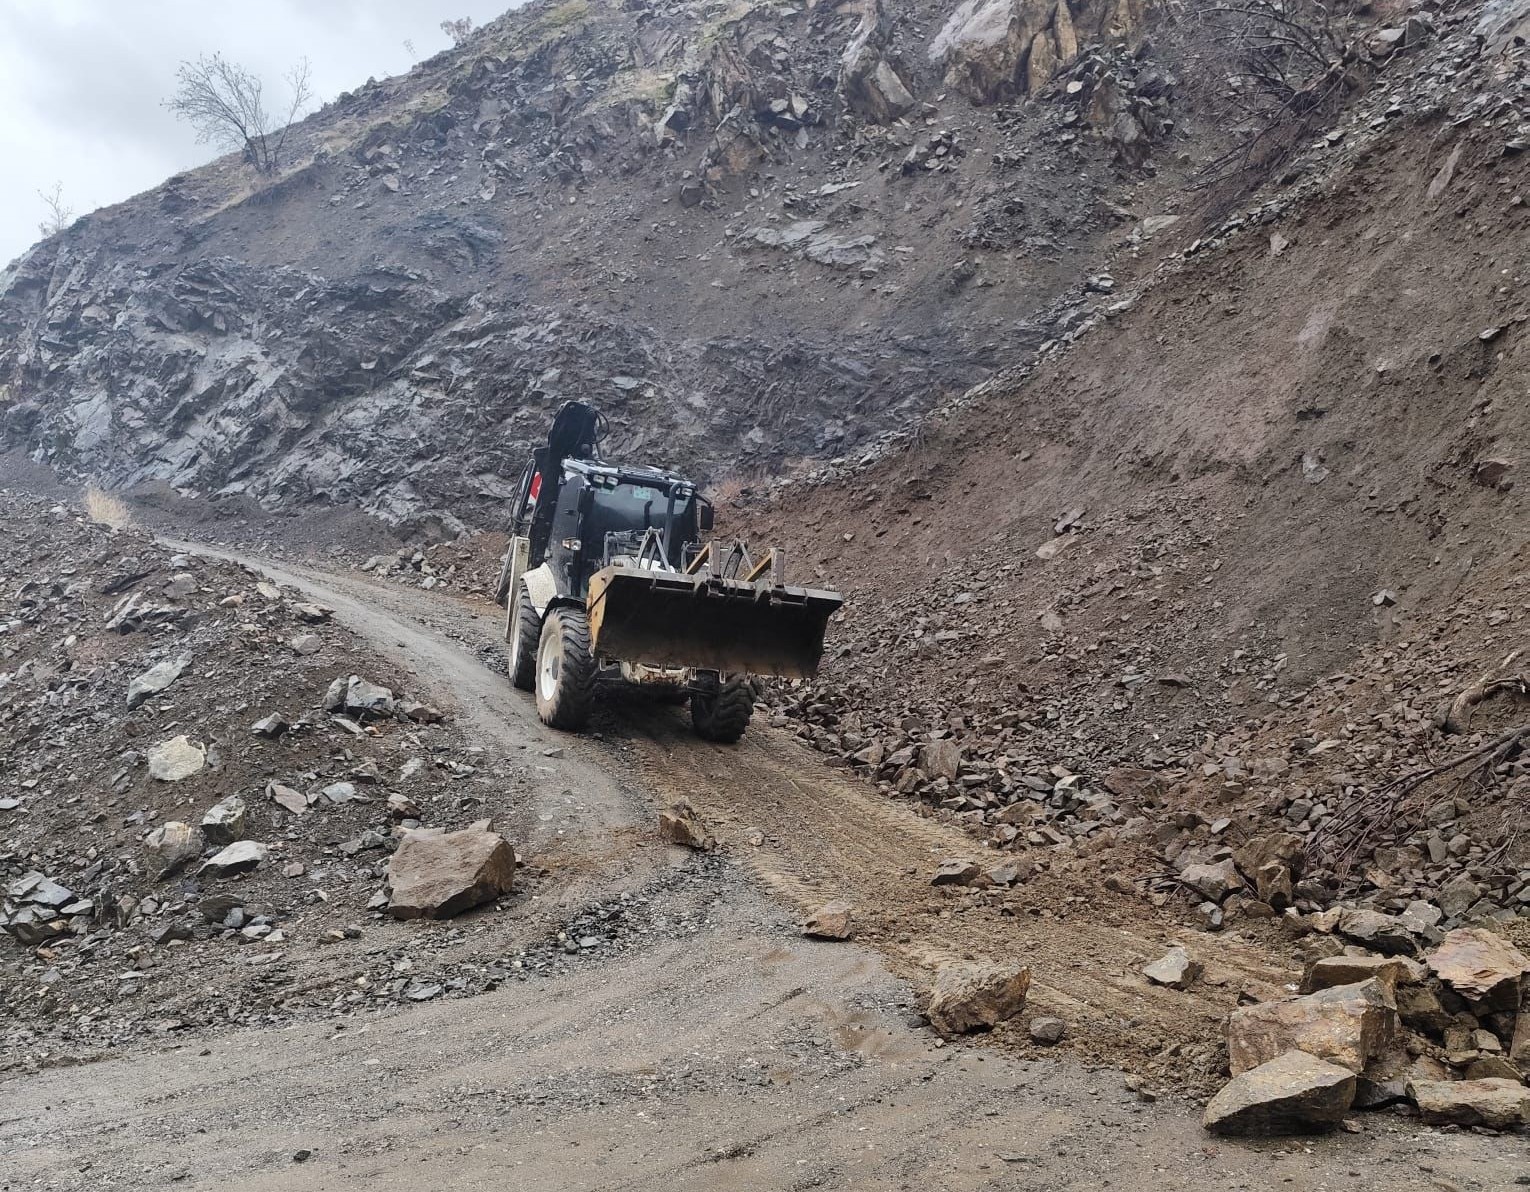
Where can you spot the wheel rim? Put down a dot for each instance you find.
(550, 666)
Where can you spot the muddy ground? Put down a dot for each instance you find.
(714, 1046)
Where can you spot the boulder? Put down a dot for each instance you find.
(435, 874)
(239, 857)
(1212, 882)
(940, 759)
(1274, 848)
(1496, 1103)
(1346, 1025)
(681, 825)
(154, 680)
(1380, 933)
(224, 821)
(1478, 964)
(170, 847)
(956, 871)
(831, 921)
(1293, 1093)
(1174, 969)
(1391, 971)
(176, 759)
(970, 997)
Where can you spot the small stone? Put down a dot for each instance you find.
(1048, 1031)
(681, 825)
(154, 680)
(831, 921)
(170, 847)
(286, 798)
(957, 871)
(306, 644)
(270, 727)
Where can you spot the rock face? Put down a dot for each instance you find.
(994, 50)
(1497, 1103)
(1476, 963)
(974, 997)
(1346, 1025)
(871, 84)
(1290, 1094)
(681, 825)
(176, 760)
(436, 874)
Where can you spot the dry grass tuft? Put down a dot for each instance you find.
(107, 509)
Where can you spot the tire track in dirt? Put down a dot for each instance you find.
(829, 835)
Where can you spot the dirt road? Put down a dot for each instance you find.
(718, 1048)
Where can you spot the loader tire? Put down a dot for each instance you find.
(526, 638)
(722, 714)
(565, 679)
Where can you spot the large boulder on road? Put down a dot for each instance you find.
(976, 997)
(1291, 1094)
(436, 874)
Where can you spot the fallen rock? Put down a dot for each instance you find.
(1380, 933)
(1291, 1094)
(239, 857)
(176, 759)
(1392, 971)
(435, 874)
(1477, 964)
(681, 825)
(170, 847)
(154, 680)
(1495, 1103)
(271, 726)
(1048, 1031)
(1212, 882)
(305, 644)
(224, 821)
(970, 997)
(831, 921)
(1174, 968)
(1346, 1025)
(286, 798)
(957, 871)
(354, 694)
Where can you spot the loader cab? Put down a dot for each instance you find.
(603, 514)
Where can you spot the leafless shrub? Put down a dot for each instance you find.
(59, 216)
(1282, 70)
(459, 30)
(106, 509)
(225, 103)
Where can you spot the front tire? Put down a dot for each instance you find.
(525, 638)
(722, 713)
(565, 678)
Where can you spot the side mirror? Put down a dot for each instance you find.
(706, 516)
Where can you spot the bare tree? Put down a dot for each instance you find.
(1286, 67)
(410, 50)
(459, 30)
(59, 216)
(225, 103)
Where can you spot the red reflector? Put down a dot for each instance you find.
(536, 486)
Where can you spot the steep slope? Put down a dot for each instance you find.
(751, 232)
(1225, 564)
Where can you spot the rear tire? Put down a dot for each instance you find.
(722, 714)
(565, 678)
(524, 641)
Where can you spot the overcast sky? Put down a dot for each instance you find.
(82, 82)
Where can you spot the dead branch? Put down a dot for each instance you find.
(1454, 718)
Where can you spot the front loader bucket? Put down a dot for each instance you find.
(663, 618)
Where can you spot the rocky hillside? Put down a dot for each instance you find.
(752, 233)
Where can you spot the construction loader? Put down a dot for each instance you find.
(610, 578)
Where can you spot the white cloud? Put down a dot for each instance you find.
(82, 82)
